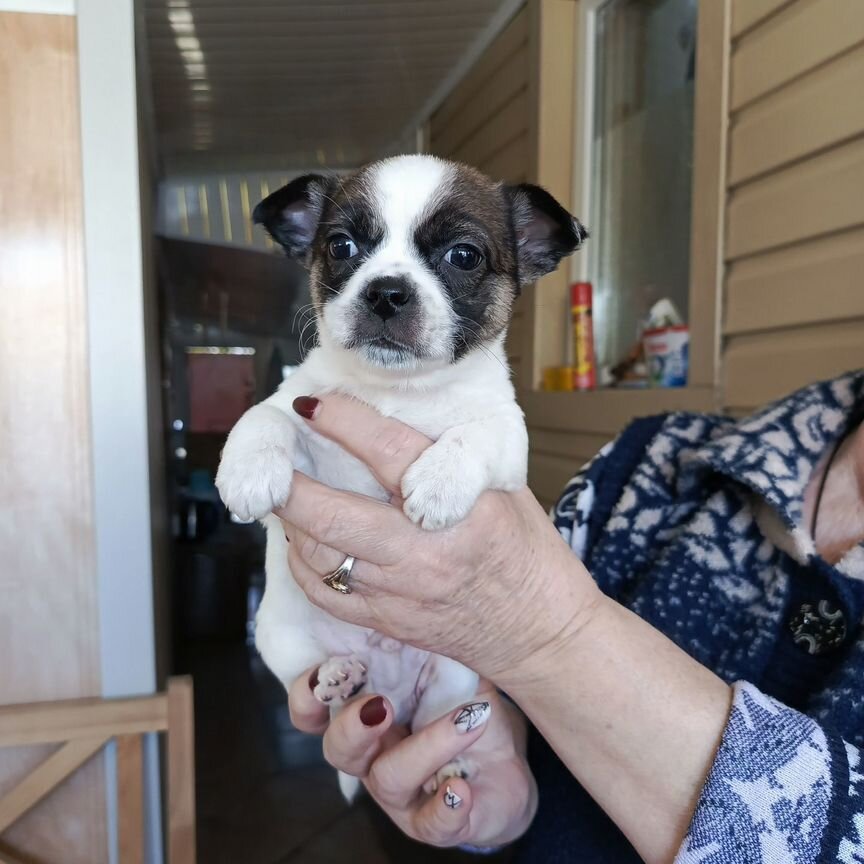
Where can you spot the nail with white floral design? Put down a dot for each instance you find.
(451, 799)
(469, 717)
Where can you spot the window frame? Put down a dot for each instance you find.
(609, 408)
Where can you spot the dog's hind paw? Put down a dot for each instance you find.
(459, 767)
(339, 679)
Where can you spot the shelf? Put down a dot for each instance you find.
(608, 410)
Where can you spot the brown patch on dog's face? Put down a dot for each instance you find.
(349, 211)
(471, 221)
(416, 260)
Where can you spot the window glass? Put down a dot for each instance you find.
(641, 165)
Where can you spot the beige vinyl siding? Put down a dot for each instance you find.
(488, 111)
(746, 15)
(485, 122)
(794, 242)
(797, 39)
(813, 115)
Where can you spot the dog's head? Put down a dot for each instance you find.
(415, 261)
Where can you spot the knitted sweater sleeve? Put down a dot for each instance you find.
(572, 513)
(782, 790)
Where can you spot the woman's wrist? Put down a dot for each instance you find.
(564, 601)
(633, 717)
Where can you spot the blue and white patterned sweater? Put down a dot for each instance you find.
(694, 522)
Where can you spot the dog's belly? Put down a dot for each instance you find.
(395, 670)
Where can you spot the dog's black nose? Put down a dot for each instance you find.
(387, 295)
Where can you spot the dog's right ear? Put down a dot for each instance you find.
(291, 214)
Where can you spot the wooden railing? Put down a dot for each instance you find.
(83, 727)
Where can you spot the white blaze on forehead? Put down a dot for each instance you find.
(405, 189)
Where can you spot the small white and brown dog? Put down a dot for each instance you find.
(415, 264)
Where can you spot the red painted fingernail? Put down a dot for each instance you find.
(373, 712)
(306, 406)
(313, 679)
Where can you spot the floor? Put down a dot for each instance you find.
(265, 794)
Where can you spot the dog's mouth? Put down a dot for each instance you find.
(384, 350)
(386, 343)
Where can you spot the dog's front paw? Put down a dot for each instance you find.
(339, 679)
(441, 487)
(254, 483)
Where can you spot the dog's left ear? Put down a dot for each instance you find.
(545, 231)
(291, 214)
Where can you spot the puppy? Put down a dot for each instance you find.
(414, 266)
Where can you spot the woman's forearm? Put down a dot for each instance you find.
(634, 718)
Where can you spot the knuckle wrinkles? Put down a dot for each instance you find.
(421, 830)
(381, 776)
(393, 440)
(308, 548)
(433, 834)
(459, 836)
(335, 756)
(328, 519)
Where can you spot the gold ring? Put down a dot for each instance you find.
(338, 579)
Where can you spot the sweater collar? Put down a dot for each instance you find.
(775, 451)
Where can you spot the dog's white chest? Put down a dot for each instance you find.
(321, 459)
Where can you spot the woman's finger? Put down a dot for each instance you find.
(387, 446)
(351, 607)
(398, 773)
(355, 525)
(444, 819)
(318, 556)
(307, 713)
(357, 734)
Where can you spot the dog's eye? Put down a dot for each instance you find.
(463, 256)
(342, 247)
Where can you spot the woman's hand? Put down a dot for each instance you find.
(495, 807)
(633, 717)
(503, 570)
